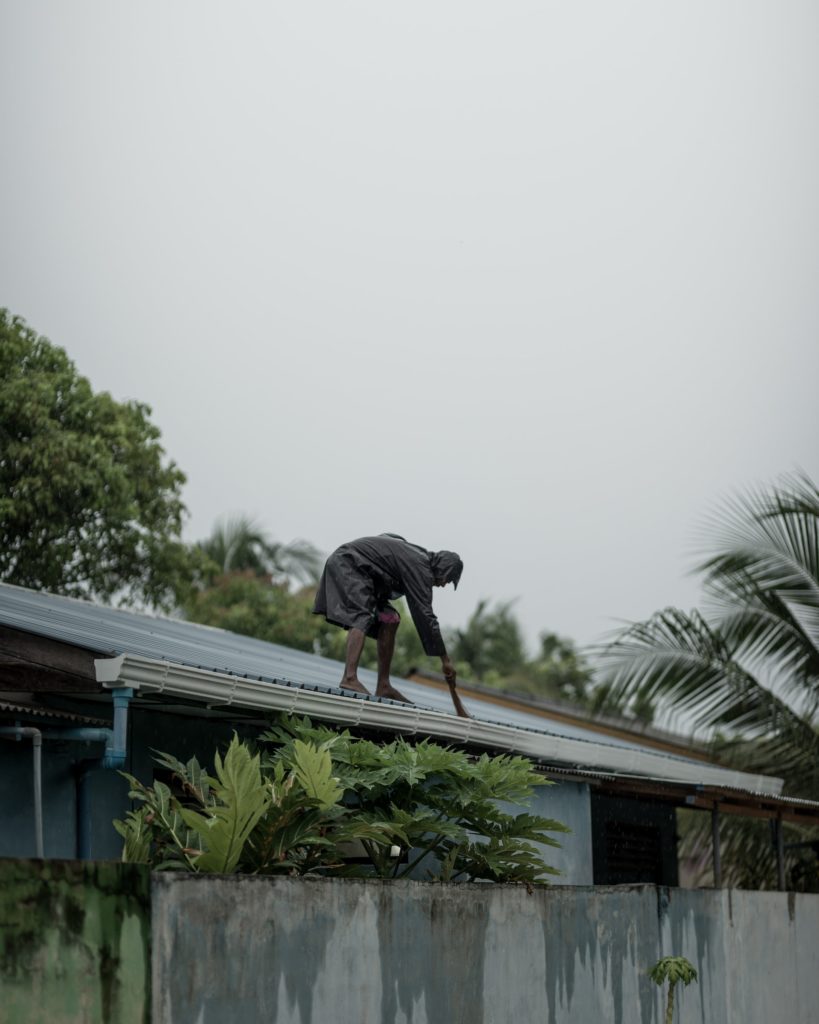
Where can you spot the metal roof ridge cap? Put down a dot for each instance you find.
(143, 671)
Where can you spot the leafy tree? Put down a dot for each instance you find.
(491, 641)
(245, 603)
(297, 808)
(558, 671)
(747, 670)
(491, 650)
(88, 504)
(442, 804)
(239, 545)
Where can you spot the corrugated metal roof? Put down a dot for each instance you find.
(25, 710)
(111, 632)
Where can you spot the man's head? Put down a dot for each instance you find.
(446, 568)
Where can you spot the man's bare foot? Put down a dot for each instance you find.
(391, 693)
(353, 684)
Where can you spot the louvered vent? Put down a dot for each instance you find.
(633, 852)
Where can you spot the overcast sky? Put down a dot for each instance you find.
(536, 282)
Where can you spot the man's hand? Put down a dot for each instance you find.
(449, 670)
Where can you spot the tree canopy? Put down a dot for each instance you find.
(89, 506)
(491, 650)
(746, 669)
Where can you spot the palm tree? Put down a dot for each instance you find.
(746, 670)
(238, 544)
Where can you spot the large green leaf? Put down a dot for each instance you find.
(314, 772)
(192, 777)
(138, 834)
(242, 800)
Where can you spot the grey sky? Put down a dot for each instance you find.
(533, 281)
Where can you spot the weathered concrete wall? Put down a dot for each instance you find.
(75, 942)
(569, 803)
(294, 951)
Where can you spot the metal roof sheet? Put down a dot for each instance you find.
(113, 631)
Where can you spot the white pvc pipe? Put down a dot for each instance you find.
(29, 732)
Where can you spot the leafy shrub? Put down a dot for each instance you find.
(312, 792)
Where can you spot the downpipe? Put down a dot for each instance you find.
(20, 732)
(114, 739)
(113, 758)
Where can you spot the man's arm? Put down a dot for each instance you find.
(450, 676)
(419, 599)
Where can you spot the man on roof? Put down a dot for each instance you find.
(358, 583)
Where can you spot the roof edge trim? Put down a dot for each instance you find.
(220, 689)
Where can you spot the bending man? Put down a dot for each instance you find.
(359, 581)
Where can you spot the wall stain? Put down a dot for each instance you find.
(298, 954)
(568, 919)
(433, 949)
(616, 924)
(61, 922)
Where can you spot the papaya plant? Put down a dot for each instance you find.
(442, 805)
(297, 807)
(286, 819)
(210, 830)
(672, 969)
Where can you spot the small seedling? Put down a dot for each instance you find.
(672, 969)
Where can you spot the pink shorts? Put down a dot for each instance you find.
(389, 615)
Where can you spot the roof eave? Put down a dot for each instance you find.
(220, 689)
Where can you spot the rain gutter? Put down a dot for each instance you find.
(222, 690)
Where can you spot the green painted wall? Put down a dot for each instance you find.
(74, 942)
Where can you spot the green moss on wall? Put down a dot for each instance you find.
(74, 942)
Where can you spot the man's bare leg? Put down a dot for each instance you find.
(385, 649)
(355, 645)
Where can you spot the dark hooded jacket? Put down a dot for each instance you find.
(360, 578)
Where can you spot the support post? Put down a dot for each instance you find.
(780, 855)
(715, 847)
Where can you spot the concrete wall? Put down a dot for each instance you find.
(295, 951)
(569, 803)
(74, 941)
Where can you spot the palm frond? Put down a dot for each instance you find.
(682, 662)
(236, 543)
(747, 852)
(766, 540)
(764, 632)
(239, 544)
(300, 560)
